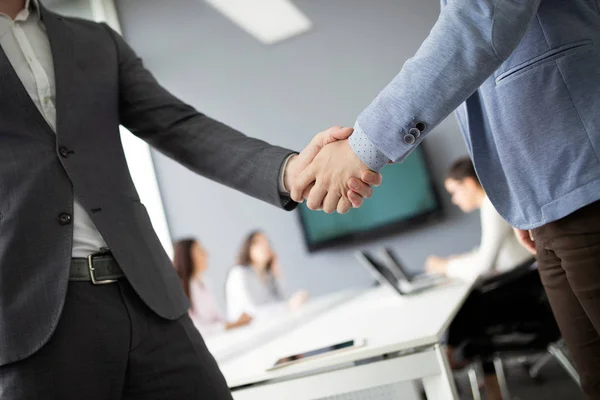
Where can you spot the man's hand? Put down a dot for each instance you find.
(436, 265)
(297, 164)
(331, 172)
(526, 240)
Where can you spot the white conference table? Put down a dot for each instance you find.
(403, 336)
(231, 344)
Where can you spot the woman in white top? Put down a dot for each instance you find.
(498, 252)
(253, 286)
(191, 264)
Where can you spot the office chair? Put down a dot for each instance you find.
(532, 333)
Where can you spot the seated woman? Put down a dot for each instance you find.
(498, 252)
(190, 261)
(253, 285)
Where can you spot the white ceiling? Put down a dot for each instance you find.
(269, 21)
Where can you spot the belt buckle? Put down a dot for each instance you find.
(91, 270)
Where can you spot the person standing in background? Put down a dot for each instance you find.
(253, 285)
(191, 264)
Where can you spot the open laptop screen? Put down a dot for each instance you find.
(383, 274)
(391, 255)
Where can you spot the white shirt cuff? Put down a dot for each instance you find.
(282, 189)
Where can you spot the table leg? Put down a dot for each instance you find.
(441, 386)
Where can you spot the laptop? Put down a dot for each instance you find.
(380, 271)
(415, 281)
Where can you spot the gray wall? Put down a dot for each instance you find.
(72, 8)
(285, 94)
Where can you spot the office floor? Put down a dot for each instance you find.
(556, 384)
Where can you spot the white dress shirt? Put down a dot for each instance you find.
(26, 45)
(499, 251)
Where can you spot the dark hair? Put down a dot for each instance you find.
(244, 258)
(461, 169)
(183, 262)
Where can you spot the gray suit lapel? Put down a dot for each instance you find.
(61, 39)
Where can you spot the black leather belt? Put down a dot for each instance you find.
(99, 268)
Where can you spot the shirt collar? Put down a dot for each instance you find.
(32, 8)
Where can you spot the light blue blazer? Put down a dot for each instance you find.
(524, 78)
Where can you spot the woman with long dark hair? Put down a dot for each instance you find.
(190, 261)
(253, 284)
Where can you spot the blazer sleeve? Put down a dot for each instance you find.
(202, 144)
(470, 40)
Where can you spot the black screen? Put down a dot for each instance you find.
(316, 352)
(407, 197)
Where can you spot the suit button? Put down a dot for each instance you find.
(421, 126)
(409, 139)
(415, 132)
(64, 152)
(64, 219)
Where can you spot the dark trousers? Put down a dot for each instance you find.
(110, 346)
(510, 301)
(569, 263)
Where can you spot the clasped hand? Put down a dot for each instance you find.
(328, 175)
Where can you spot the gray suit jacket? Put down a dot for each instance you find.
(100, 83)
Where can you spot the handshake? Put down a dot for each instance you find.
(329, 175)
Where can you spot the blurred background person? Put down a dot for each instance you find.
(499, 249)
(499, 252)
(253, 285)
(191, 263)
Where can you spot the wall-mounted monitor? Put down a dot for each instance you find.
(407, 198)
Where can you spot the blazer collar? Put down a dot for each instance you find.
(62, 43)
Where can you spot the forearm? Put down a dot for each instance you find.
(228, 157)
(202, 144)
(468, 43)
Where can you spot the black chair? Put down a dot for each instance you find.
(532, 332)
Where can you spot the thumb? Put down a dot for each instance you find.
(339, 134)
(331, 135)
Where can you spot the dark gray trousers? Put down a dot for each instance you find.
(109, 346)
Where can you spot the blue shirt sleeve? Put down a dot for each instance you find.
(366, 150)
